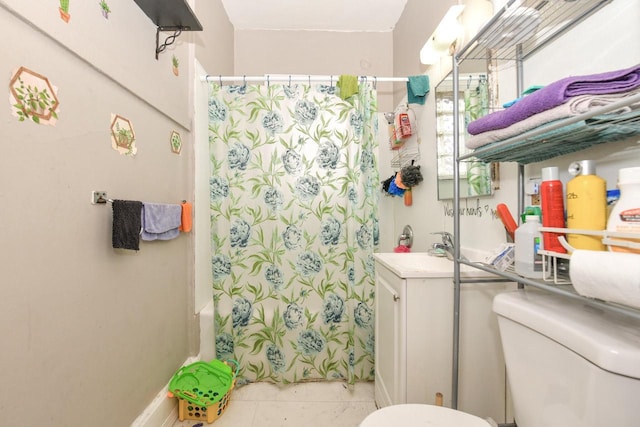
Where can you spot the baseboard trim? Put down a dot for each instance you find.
(161, 412)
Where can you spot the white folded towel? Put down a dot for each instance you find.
(609, 276)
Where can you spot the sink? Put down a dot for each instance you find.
(422, 264)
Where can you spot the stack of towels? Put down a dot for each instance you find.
(564, 98)
(134, 220)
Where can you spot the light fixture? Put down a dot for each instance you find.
(447, 32)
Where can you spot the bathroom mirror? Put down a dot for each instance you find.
(473, 101)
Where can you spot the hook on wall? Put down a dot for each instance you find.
(99, 197)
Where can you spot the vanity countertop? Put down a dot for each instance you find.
(413, 265)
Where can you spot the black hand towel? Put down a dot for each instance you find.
(126, 224)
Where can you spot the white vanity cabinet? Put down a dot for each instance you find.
(414, 346)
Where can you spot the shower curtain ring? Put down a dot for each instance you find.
(331, 80)
(289, 80)
(268, 84)
(244, 80)
(220, 76)
(375, 82)
(309, 80)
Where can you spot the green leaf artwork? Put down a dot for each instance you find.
(176, 64)
(64, 10)
(33, 98)
(104, 7)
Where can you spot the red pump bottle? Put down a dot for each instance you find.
(552, 200)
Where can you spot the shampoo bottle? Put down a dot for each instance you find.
(625, 215)
(586, 205)
(528, 262)
(552, 199)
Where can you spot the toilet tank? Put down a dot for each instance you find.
(569, 364)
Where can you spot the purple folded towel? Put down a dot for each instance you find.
(160, 221)
(557, 93)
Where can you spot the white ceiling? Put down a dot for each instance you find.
(318, 15)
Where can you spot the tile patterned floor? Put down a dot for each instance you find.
(309, 405)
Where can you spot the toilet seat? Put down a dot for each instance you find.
(417, 415)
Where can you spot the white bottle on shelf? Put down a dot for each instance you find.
(528, 262)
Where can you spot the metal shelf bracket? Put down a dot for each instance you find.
(169, 40)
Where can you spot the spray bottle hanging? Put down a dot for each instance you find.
(402, 127)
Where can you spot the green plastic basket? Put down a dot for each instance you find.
(204, 383)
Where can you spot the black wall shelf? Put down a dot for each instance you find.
(169, 15)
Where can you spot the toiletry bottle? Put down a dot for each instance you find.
(528, 262)
(586, 205)
(408, 197)
(612, 198)
(625, 215)
(552, 199)
(531, 210)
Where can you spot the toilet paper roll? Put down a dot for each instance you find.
(609, 276)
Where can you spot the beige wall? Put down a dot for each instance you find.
(317, 52)
(214, 45)
(416, 24)
(90, 335)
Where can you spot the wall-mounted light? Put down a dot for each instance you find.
(447, 32)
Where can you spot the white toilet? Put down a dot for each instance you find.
(415, 415)
(569, 364)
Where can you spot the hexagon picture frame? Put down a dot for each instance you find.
(123, 137)
(33, 97)
(176, 142)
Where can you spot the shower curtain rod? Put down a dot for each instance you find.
(295, 78)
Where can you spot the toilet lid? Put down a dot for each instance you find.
(414, 415)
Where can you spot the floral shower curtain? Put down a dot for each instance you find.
(294, 189)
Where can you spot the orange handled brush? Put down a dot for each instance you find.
(507, 220)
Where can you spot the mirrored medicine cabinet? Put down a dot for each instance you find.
(474, 102)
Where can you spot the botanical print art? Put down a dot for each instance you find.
(294, 191)
(176, 142)
(33, 98)
(64, 11)
(123, 138)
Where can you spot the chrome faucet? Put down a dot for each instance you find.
(406, 238)
(447, 245)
